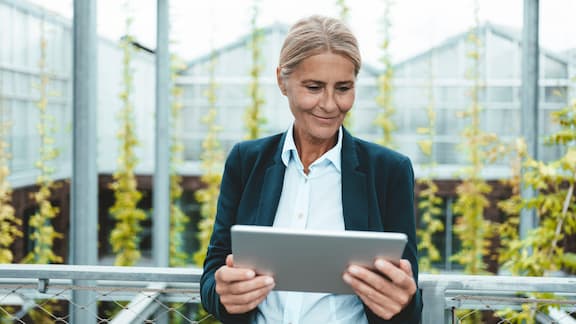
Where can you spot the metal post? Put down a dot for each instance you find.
(84, 216)
(161, 234)
(529, 105)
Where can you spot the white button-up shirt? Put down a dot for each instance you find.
(313, 201)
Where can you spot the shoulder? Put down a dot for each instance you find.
(261, 145)
(254, 151)
(371, 154)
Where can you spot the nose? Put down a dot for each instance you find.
(328, 102)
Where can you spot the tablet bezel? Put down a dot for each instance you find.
(311, 260)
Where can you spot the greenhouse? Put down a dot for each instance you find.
(113, 151)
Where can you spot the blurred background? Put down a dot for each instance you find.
(441, 82)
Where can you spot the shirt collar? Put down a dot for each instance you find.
(289, 150)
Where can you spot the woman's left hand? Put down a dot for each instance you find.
(387, 290)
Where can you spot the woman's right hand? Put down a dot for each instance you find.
(240, 289)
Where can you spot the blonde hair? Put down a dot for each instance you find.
(315, 35)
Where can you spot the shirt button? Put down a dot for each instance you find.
(300, 215)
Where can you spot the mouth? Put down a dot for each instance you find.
(325, 118)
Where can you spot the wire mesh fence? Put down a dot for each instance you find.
(111, 303)
(525, 309)
(498, 299)
(134, 295)
(122, 295)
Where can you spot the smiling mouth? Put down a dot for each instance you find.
(325, 118)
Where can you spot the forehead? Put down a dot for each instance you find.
(326, 67)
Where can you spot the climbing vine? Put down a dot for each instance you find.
(344, 13)
(178, 219)
(430, 203)
(253, 118)
(125, 237)
(541, 251)
(384, 98)
(471, 227)
(212, 158)
(9, 224)
(43, 233)
(344, 10)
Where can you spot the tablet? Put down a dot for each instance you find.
(311, 260)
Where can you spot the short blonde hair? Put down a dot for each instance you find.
(315, 35)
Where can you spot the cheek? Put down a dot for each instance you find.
(346, 102)
(304, 102)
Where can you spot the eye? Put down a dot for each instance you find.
(313, 87)
(343, 89)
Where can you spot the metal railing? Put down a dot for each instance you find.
(153, 295)
(450, 298)
(123, 294)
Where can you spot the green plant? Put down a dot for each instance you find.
(344, 13)
(252, 118)
(384, 98)
(541, 251)
(125, 237)
(471, 227)
(178, 219)
(429, 203)
(43, 233)
(344, 10)
(212, 158)
(9, 224)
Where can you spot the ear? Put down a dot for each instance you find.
(281, 81)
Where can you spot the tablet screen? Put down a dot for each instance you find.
(311, 260)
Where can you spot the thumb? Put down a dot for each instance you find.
(230, 261)
(406, 266)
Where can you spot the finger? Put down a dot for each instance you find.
(395, 274)
(228, 275)
(406, 266)
(239, 296)
(372, 279)
(240, 309)
(243, 287)
(230, 260)
(380, 304)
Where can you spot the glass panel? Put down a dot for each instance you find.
(502, 54)
(500, 94)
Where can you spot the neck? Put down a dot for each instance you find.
(309, 149)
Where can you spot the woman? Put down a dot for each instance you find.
(316, 176)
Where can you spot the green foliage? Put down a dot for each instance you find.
(252, 117)
(555, 205)
(9, 224)
(508, 230)
(384, 98)
(212, 158)
(344, 10)
(471, 227)
(430, 203)
(344, 14)
(125, 237)
(178, 219)
(43, 233)
(539, 252)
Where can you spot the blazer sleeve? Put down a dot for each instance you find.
(230, 193)
(399, 216)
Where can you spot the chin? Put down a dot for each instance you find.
(324, 133)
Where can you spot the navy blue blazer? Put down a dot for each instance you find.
(377, 195)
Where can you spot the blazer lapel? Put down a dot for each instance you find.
(271, 188)
(354, 196)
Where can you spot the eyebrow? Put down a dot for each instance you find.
(322, 82)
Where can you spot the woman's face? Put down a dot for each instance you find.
(320, 92)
